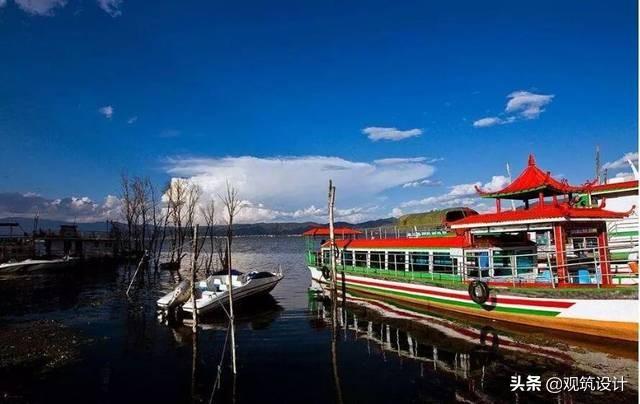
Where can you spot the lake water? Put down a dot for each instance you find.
(78, 338)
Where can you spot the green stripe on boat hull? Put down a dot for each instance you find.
(499, 309)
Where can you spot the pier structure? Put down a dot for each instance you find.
(16, 244)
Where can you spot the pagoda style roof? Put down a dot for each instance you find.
(338, 231)
(554, 212)
(530, 183)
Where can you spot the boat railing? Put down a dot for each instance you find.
(392, 232)
(580, 266)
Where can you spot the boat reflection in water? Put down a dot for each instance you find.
(477, 361)
(256, 313)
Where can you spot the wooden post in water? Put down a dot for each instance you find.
(194, 266)
(231, 320)
(332, 240)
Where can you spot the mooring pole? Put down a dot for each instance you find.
(231, 321)
(332, 240)
(193, 276)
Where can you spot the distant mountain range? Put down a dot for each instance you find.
(253, 229)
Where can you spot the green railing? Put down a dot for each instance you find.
(400, 274)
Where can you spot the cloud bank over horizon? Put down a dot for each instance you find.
(294, 189)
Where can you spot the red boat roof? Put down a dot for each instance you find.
(616, 186)
(453, 241)
(530, 183)
(338, 231)
(551, 212)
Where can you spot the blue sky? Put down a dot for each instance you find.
(222, 90)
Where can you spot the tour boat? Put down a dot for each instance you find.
(213, 293)
(545, 264)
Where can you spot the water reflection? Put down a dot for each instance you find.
(478, 361)
(287, 345)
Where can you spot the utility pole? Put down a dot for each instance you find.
(194, 260)
(332, 240)
(334, 293)
(598, 168)
(513, 204)
(231, 320)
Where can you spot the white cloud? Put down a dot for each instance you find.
(111, 7)
(3, 3)
(622, 162)
(458, 195)
(521, 105)
(396, 212)
(625, 175)
(291, 188)
(40, 7)
(132, 120)
(404, 160)
(399, 160)
(106, 111)
(377, 133)
(72, 208)
(422, 183)
(489, 121)
(526, 104)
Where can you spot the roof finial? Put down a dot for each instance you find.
(532, 160)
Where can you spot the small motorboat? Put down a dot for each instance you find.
(213, 293)
(177, 297)
(38, 264)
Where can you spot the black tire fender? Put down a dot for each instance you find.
(326, 272)
(479, 291)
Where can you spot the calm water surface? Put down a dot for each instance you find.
(384, 352)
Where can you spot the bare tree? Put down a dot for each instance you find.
(208, 214)
(128, 208)
(182, 200)
(232, 205)
(163, 217)
(143, 202)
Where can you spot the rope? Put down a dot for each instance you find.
(216, 384)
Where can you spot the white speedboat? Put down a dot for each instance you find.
(175, 298)
(213, 293)
(38, 264)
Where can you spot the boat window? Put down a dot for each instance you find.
(261, 275)
(361, 259)
(376, 259)
(525, 261)
(502, 263)
(542, 239)
(477, 263)
(396, 260)
(419, 261)
(584, 245)
(442, 262)
(347, 258)
(326, 257)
